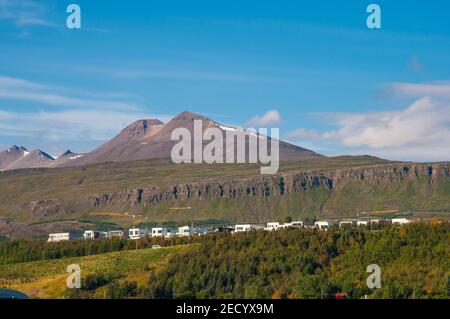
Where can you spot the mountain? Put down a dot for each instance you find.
(33, 159)
(149, 139)
(65, 158)
(143, 139)
(12, 154)
(136, 141)
(17, 157)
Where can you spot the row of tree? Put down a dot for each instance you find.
(14, 251)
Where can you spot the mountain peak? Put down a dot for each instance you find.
(144, 123)
(141, 128)
(43, 154)
(66, 153)
(16, 148)
(186, 117)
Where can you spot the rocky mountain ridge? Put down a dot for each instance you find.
(254, 187)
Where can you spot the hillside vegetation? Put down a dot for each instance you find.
(47, 279)
(290, 263)
(414, 262)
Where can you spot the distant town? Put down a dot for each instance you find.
(186, 231)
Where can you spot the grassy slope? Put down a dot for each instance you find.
(19, 187)
(47, 279)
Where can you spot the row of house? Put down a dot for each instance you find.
(133, 233)
(321, 224)
(184, 231)
(136, 233)
(325, 224)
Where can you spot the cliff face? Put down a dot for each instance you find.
(255, 187)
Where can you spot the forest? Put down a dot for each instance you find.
(291, 263)
(414, 262)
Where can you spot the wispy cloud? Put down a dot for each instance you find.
(419, 132)
(91, 127)
(25, 12)
(82, 118)
(20, 89)
(433, 89)
(195, 75)
(269, 118)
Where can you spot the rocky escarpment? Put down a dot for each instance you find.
(254, 187)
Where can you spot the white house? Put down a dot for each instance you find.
(324, 224)
(184, 231)
(91, 234)
(159, 232)
(272, 226)
(170, 233)
(136, 233)
(297, 224)
(59, 237)
(400, 221)
(246, 227)
(362, 222)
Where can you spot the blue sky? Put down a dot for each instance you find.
(312, 68)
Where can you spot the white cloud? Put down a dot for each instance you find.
(20, 89)
(80, 118)
(435, 89)
(24, 12)
(419, 132)
(271, 117)
(84, 125)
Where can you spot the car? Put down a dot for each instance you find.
(12, 294)
(156, 246)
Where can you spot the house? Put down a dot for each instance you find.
(200, 231)
(362, 223)
(272, 226)
(184, 231)
(324, 224)
(136, 233)
(296, 224)
(60, 237)
(400, 221)
(346, 223)
(246, 227)
(159, 232)
(223, 229)
(91, 234)
(116, 234)
(103, 234)
(171, 233)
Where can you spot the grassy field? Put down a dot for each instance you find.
(47, 279)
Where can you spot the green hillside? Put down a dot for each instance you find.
(40, 201)
(47, 279)
(290, 263)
